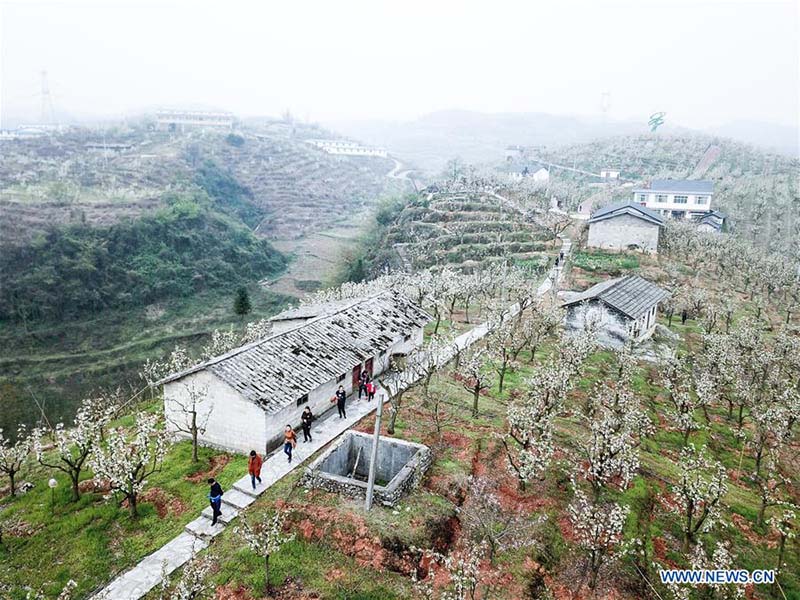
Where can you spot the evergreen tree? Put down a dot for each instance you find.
(241, 305)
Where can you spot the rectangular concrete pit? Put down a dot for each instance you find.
(400, 466)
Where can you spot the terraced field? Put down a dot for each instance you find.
(466, 229)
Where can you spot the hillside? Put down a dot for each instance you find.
(759, 191)
(464, 228)
(108, 258)
(433, 139)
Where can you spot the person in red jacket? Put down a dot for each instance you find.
(371, 389)
(254, 467)
(289, 441)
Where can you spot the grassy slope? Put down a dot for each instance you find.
(93, 539)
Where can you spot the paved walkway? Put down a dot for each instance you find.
(138, 581)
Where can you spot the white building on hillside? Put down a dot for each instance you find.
(347, 148)
(609, 173)
(679, 199)
(533, 171)
(180, 120)
(250, 394)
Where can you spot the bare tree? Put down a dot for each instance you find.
(188, 415)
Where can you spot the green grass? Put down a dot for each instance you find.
(91, 540)
(606, 262)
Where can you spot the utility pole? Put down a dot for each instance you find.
(374, 455)
(47, 115)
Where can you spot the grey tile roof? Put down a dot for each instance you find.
(632, 295)
(309, 311)
(626, 208)
(691, 186)
(278, 370)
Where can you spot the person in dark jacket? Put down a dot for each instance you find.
(684, 316)
(362, 383)
(305, 420)
(341, 397)
(215, 497)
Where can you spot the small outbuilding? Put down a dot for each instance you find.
(713, 222)
(626, 226)
(248, 395)
(618, 310)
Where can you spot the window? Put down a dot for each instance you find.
(302, 400)
(661, 197)
(341, 377)
(642, 197)
(701, 199)
(681, 199)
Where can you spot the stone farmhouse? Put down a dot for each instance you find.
(251, 393)
(535, 172)
(678, 199)
(626, 226)
(619, 310)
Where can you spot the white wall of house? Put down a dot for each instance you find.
(674, 204)
(541, 175)
(622, 232)
(233, 422)
(612, 328)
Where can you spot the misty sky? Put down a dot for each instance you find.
(702, 63)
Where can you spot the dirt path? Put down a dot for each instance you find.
(315, 258)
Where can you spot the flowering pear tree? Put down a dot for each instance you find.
(193, 582)
(14, 454)
(127, 461)
(785, 524)
(598, 529)
(487, 521)
(476, 375)
(462, 570)
(675, 379)
(264, 538)
(699, 491)
(616, 426)
(73, 446)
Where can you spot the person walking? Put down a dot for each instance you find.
(341, 397)
(684, 316)
(371, 389)
(289, 441)
(254, 467)
(362, 383)
(215, 497)
(306, 419)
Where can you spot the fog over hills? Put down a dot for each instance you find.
(432, 139)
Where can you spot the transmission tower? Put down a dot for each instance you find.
(48, 114)
(605, 103)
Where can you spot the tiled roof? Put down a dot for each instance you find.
(632, 295)
(276, 371)
(627, 208)
(691, 186)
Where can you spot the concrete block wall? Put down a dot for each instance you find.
(234, 423)
(619, 233)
